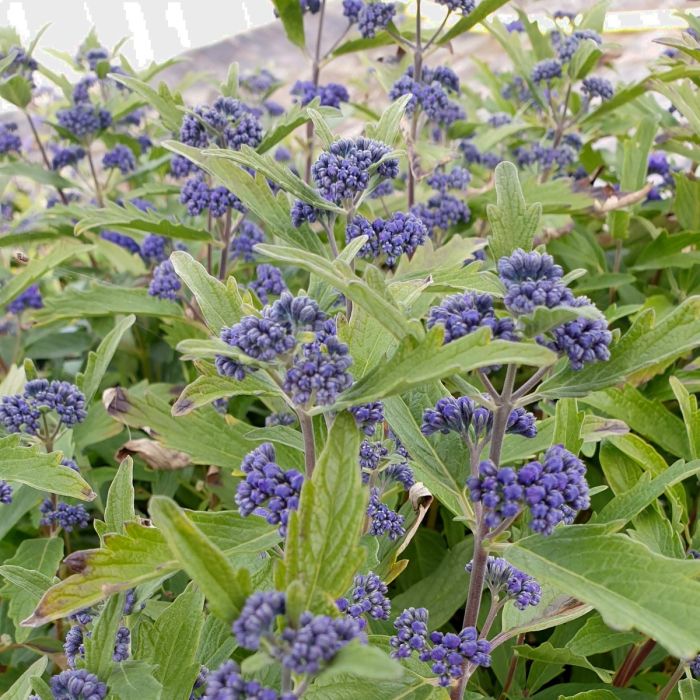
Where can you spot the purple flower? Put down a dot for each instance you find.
(280, 419)
(257, 618)
(30, 298)
(343, 171)
(267, 490)
(77, 684)
(182, 167)
(69, 155)
(122, 240)
(227, 683)
(401, 473)
(195, 195)
(18, 415)
(449, 414)
(64, 515)
(120, 157)
(73, 646)
(584, 340)
(302, 212)
(331, 95)
(249, 235)
(165, 283)
(456, 179)
(5, 492)
(452, 651)
(368, 416)
(268, 280)
(260, 82)
(9, 139)
(411, 633)
(316, 641)
(546, 70)
(374, 17)
(282, 154)
(695, 666)
(555, 489)
(598, 87)
(658, 164)
(246, 132)
(515, 26)
(368, 597)
(371, 454)
(351, 9)
(312, 6)
(84, 120)
(461, 314)
(154, 247)
(62, 397)
(401, 234)
(441, 212)
(521, 422)
(501, 576)
(463, 6)
(384, 520)
(498, 490)
(121, 645)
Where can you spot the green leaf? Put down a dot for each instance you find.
(38, 268)
(290, 121)
(388, 127)
(99, 646)
(323, 542)
(364, 660)
(35, 173)
(595, 637)
(630, 586)
(26, 465)
(161, 100)
(513, 223)
(670, 250)
(225, 587)
(28, 575)
(105, 300)
(585, 59)
(650, 419)
(128, 217)
(627, 505)
(546, 653)
(134, 679)
(204, 435)
(173, 643)
(689, 689)
(16, 90)
(644, 346)
(543, 319)
(689, 409)
(21, 688)
(417, 362)
(120, 498)
(98, 362)
(322, 129)
(220, 304)
(141, 555)
(482, 11)
(293, 20)
(568, 425)
(208, 388)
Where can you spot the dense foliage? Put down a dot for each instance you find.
(364, 397)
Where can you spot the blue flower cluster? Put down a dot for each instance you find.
(331, 95)
(30, 298)
(74, 647)
(461, 314)
(388, 239)
(441, 212)
(248, 236)
(165, 283)
(62, 397)
(352, 8)
(368, 597)
(566, 46)
(63, 157)
(583, 340)
(302, 212)
(502, 577)
(343, 171)
(22, 63)
(120, 157)
(197, 196)
(84, 120)
(122, 240)
(303, 649)
(227, 683)
(77, 684)
(5, 493)
(9, 138)
(447, 653)
(373, 17)
(465, 7)
(267, 490)
(371, 454)
(153, 248)
(546, 70)
(456, 179)
(259, 83)
(598, 87)
(268, 281)
(462, 414)
(64, 515)
(368, 416)
(553, 490)
(384, 521)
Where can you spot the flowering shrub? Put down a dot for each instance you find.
(403, 413)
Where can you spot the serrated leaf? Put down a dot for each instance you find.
(323, 542)
(388, 127)
(98, 362)
(120, 498)
(21, 688)
(596, 567)
(37, 269)
(689, 410)
(162, 101)
(513, 223)
(225, 587)
(645, 345)
(26, 465)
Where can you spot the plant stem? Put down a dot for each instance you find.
(530, 383)
(307, 432)
(44, 157)
(672, 681)
(315, 75)
(480, 556)
(438, 31)
(512, 668)
(417, 74)
(226, 240)
(632, 663)
(98, 189)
